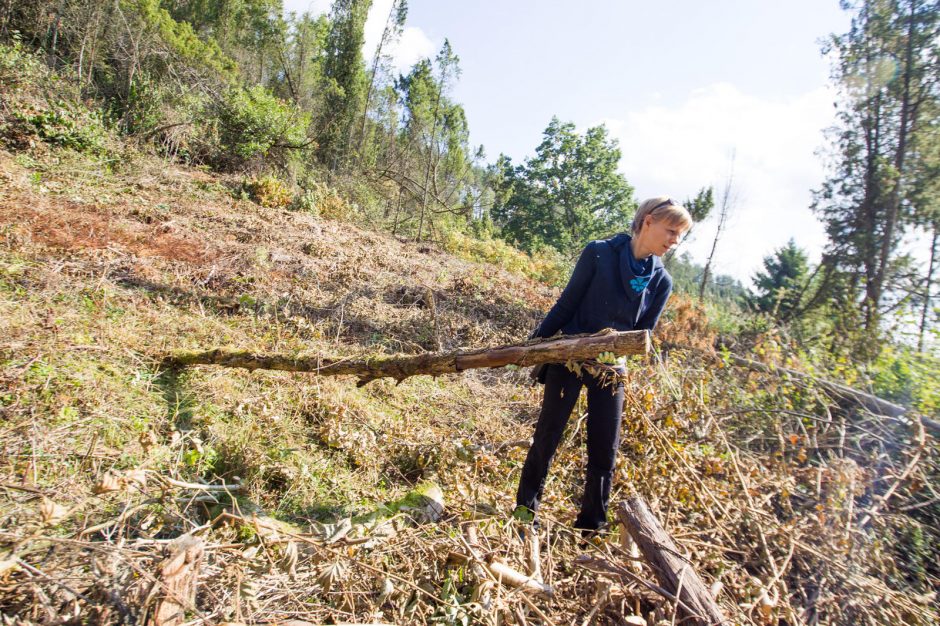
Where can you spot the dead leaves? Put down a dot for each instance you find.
(114, 481)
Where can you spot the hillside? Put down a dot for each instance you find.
(106, 266)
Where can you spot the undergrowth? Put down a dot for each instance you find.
(307, 490)
(102, 272)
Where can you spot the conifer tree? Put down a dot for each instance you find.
(779, 285)
(889, 75)
(344, 80)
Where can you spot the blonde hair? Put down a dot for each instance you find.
(662, 208)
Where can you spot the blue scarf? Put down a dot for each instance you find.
(634, 273)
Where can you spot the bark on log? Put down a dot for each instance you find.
(674, 572)
(177, 577)
(400, 367)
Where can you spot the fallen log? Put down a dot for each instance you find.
(673, 571)
(400, 367)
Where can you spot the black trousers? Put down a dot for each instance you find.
(605, 406)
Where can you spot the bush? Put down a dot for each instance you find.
(323, 201)
(65, 127)
(268, 191)
(547, 265)
(28, 114)
(902, 375)
(19, 68)
(248, 125)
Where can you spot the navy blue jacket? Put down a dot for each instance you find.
(603, 292)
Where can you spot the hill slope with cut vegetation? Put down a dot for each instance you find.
(126, 485)
(108, 266)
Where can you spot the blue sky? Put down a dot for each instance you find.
(682, 85)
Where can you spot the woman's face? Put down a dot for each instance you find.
(660, 235)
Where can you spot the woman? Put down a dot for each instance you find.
(617, 283)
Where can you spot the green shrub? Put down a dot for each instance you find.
(29, 113)
(323, 201)
(268, 191)
(66, 127)
(19, 68)
(248, 125)
(547, 265)
(902, 375)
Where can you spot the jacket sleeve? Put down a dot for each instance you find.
(651, 317)
(570, 298)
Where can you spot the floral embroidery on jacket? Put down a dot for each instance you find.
(639, 283)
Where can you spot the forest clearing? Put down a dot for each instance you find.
(764, 482)
(283, 378)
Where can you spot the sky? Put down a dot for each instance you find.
(696, 93)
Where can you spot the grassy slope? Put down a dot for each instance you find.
(104, 269)
(161, 258)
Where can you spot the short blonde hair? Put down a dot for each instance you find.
(662, 208)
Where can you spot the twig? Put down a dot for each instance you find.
(922, 442)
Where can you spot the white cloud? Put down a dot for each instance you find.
(313, 7)
(677, 150)
(412, 46)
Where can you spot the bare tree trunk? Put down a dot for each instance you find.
(400, 367)
(397, 212)
(894, 201)
(431, 146)
(54, 36)
(925, 310)
(727, 203)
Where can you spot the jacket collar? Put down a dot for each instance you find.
(634, 283)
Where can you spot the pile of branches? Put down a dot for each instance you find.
(791, 507)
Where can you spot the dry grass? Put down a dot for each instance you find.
(762, 481)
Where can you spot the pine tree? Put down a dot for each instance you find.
(779, 286)
(888, 74)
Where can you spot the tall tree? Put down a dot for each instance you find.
(345, 80)
(431, 161)
(394, 23)
(889, 75)
(567, 194)
(725, 206)
(925, 197)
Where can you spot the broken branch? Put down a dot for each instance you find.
(400, 367)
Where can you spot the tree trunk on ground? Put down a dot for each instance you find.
(400, 367)
(674, 572)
